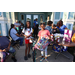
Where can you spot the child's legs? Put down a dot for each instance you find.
(46, 52)
(29, 48)
(26, 49)
(26, 43)
(42, 52)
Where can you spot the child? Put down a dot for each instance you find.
(27, 33)
(41, 33)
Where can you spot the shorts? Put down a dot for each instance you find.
(27, 41)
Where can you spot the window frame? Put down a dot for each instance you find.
(56, 20)
(1, 14)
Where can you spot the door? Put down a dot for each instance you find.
(31, 18)
(35, 17)
(7, 31)
(0, 30)
(22, 18)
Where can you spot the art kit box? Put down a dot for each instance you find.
(42, 43)
(67, 35)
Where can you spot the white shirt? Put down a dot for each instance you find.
(13, 33)
(27, 32)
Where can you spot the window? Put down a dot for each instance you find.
(35, 17)
(0, 13)
(71, 15)
(55, 22)
(0, 29)
(28, 17)
(57, 15)
(10, 15)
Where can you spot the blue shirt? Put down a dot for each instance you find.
(4, 42)
(13, 33)
(61, 29)
(36, 22)
(48, 28)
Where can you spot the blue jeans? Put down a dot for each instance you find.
(21, 40)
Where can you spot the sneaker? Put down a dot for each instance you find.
(46, 60)
(14, 59)
(41, 59)
(29, 55)
(25, 58)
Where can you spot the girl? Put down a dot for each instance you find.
(41, 33)
(27, 33)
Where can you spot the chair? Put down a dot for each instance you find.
(14, 43)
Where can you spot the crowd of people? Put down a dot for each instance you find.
(19, 32)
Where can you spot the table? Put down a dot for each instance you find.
(71, 44)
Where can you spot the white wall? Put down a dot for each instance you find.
(7, 20)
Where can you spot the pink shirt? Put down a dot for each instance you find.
(43, 32)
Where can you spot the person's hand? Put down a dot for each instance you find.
(4, 50)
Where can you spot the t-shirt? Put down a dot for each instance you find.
(48, 28)
(13, 33)
(4, 42)
(17, 24)
(42, 33)
(61, 29)
(27, 32)
(36, 22)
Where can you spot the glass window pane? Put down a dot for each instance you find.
(55, 22)
(57, 15)
(28, 17)
(35, 17)
(61, 15)
(71, 15)
(0, 13)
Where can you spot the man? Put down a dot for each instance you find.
(49, 26)
(36, 26)
(15, 36)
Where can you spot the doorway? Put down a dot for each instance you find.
(31, 18)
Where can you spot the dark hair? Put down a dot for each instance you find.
(49, 22)
(29, 26)
(61, 22)
(54, 25)
(42, 24)
(12, 25)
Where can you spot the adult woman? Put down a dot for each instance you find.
(61, 27)
(5, 48)
(27, 33)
